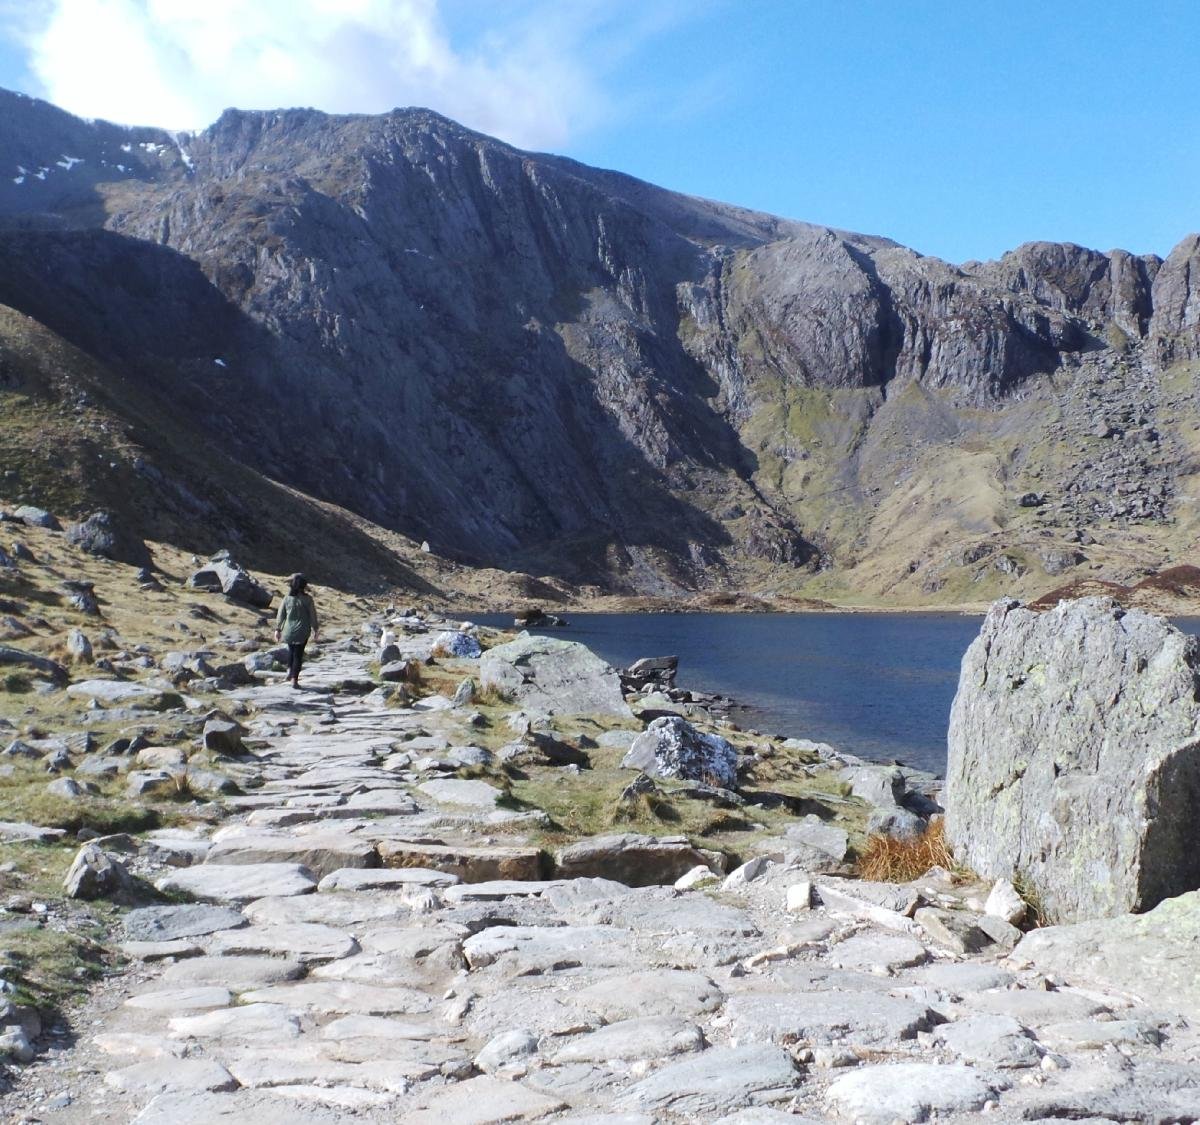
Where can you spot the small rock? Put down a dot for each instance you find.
(747, 873)
(799, 897)
(95, 874)
(506, 1048)
(1004, 902)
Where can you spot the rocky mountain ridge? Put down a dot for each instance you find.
(547, 367)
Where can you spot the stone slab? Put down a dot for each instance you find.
(235, 882)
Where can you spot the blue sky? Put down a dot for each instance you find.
(960, 128)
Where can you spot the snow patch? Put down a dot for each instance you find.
(220, 363)
(151, 147)
(40, 174)
(127, 148)
(68, 162)
(18, 179)
(122, 168)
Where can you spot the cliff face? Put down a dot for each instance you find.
(537, 364)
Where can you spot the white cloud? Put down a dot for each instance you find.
(532, 76)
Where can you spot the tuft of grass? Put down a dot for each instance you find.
(886, 859)
(644, 808)
(489, 695)
(1035, 914)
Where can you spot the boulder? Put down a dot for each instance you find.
(104, 534)
(459, 645)
(672, 747)
(50, 669)
(1074, 757)
(222, 575)
(637, 861)
(223, 736)
(554, 677)
(37, 517)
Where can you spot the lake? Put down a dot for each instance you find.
(878, 685)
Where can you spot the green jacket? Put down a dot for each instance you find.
(297, 619)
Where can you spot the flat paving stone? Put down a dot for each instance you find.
(157, 1076)
(990, 1041)
(825, 1017)
(481, 1101)
(650, 992)
(160, 950)
(452, 791)
(880, 1095)
(237, 1108)
(384, 879)
(170, 923)
(1033, 1007)
(877, 953)
(472, 864)
(328, 909)
(535, 949)
(960, 977)
(272, 1022)
(320, 854)
(138, 1045)
(715, 1081)
(302, 941)
(235, 973)
(342, 997)
(653, 1038)
(1097, 1034)
(226, 882)
(498, 889)
(181, 999)
(380, 1027)
(256, 1071)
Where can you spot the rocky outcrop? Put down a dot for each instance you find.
(1074, 757)
(1175, 325)
(679, 375)
(554, 677)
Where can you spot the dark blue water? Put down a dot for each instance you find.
(875, 684)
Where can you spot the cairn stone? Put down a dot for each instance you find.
(1074, 757)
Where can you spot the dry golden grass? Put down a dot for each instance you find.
(885, 859)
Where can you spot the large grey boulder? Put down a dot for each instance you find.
(222, 575)
(104, 534)
(1074, 757)
(554, 677)
(37, 517)
(672, 747)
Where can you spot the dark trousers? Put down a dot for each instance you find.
(295, 659)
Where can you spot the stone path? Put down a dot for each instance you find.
(367, 946)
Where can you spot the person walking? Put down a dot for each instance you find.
(295, 623)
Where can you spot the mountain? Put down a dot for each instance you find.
(541, 366)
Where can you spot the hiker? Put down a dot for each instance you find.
(296, 622)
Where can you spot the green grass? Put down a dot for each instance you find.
(55, 961)
(23, 797)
